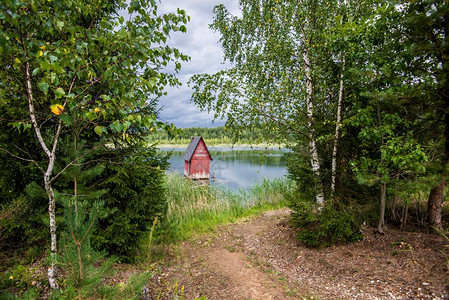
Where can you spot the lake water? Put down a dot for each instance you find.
(238, 167)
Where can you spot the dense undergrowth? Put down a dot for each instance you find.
(333, 225)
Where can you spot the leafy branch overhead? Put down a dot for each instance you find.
(97, 63)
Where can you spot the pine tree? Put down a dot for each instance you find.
(78, 180)
(78, 258)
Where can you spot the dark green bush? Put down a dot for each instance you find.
(331, 226)
(135, 197)
(23, 206)
(22, 226)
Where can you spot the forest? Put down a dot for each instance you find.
(214, 136)
(358, 91)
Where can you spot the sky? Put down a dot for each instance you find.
(201, 44)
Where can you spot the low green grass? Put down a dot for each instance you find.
(193, 208)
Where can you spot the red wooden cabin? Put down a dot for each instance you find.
(197, 159)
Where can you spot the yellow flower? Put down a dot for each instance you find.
(57, 109)
(11, 277)
(97, 110)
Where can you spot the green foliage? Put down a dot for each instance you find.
(85, 268)
(132, 289)
(19, 279)
(30, 294)
(75, 59)
(400, 153)
(265, 89)
(78, 258)
(135, 197)
(22, 201)
(331, 226)
(299, 170)
(22, 225)
(394, 104)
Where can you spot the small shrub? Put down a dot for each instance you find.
(32, 254)
(78, 259)
(86, 268)
(329, 227)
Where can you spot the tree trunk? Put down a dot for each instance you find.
(395, 198)
(434, 207)
(314, 157)
(383, 195)
(436, 193)
(75, 194)
(383, 186)
(404, 216)
(337, 130)
(75, 182)
(52, 273)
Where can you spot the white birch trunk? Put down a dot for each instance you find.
(337, 130)
(47, 178)
(314, 157)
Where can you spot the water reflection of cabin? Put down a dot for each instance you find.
(197, 159)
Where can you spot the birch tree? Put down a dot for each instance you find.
(274, 84)
(60, 57)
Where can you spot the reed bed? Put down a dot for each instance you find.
(193, 208)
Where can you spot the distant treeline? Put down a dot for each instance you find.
(213, 136)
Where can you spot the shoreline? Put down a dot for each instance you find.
(255, 146)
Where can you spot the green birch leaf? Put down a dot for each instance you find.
(98, 130)
(45, 66)
(43, 86)
(59, 92)
(52, 58)
(66, 119)
(91, 116)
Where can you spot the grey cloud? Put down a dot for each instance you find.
(201, 44)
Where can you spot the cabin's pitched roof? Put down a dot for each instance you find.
(191, 148)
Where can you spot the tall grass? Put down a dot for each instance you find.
(193, 208)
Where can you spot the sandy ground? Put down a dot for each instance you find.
(260, 258)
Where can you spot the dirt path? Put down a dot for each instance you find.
(259, 258)
(245, 280)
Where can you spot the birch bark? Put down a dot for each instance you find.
(337, 130)
(47, 178)
(314, 157)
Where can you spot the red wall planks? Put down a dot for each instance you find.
(199, 165)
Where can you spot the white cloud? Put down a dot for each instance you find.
(201, 44)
